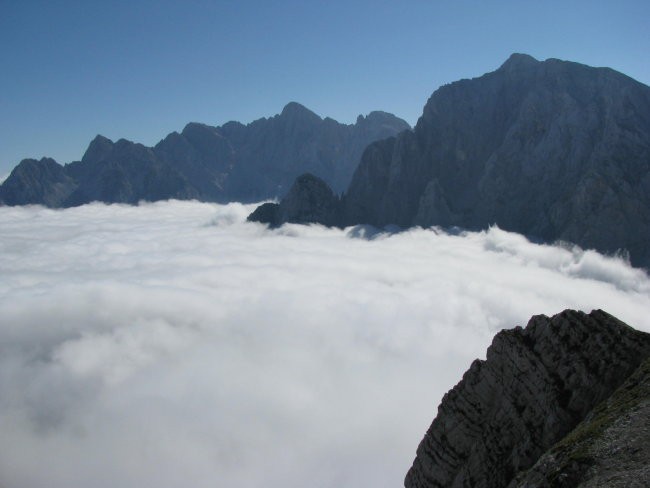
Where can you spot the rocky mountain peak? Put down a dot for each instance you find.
(98, 149)
(536, 385)
(195, 126)
(309, 200)
(552, 150)
(378, 118)
(233, 162)
(518, 61)
(296, 111)
(36, 181)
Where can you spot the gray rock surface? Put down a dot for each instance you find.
(261, 160)
(609, 449)
(267, 213)
(553, 150)
(234, 162)
(42, 182)
(124, 172)
(535, 386)
(310, 200)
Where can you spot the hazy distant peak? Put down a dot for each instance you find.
(196, 127)
(518, 60)
(126, 142)
(36, 162)
(381, 117)
(98, 147)
(100, 140)
(294, 109)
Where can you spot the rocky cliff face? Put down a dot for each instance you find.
(41, 182)
(124, 172)
(309, 200)
(553, 150)
(234, 162)
(262, 159)
(535, 386)
(609, 449)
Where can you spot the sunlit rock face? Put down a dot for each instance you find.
(535, 386)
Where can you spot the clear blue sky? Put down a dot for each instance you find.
(141, 69)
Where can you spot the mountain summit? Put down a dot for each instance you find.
(234, 162)
(517, 410)
(551, 149)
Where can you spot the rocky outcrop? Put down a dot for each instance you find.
(41, 182)
(124, 172)
(553, 150)
(609, 449)
(261, 160)
(309, 200)
(234, 162)
(535, 386)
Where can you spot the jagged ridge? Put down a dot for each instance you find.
(553, 150)
(535, 386)
(234, 162)
(609, 449)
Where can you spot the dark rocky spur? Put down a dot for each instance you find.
(563, 402)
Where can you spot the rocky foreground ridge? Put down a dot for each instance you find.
(563, 402)
(553, 150)
(234, 162)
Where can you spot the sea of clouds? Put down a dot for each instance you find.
(174, 344)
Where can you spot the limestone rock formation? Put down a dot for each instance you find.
(553, 150)
(234, 162)
(309, 200)
(261, 160)
(42, 182)
(124, 172)
(535, 386)
(609, 449)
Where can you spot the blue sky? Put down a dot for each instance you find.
(141, 69)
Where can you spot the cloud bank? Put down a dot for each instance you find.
(174, 343)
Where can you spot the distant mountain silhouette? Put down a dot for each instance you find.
(553, 150)
(234, 162)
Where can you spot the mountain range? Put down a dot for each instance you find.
(233, 162)
(554, 150)
(563, 402)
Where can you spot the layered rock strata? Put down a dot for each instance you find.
(535, 386)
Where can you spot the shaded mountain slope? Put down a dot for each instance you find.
(234, 162)
(554, 150)
(609, 449)
(535, 386)
(42, 181)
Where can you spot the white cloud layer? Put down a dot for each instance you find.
(173, 344)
